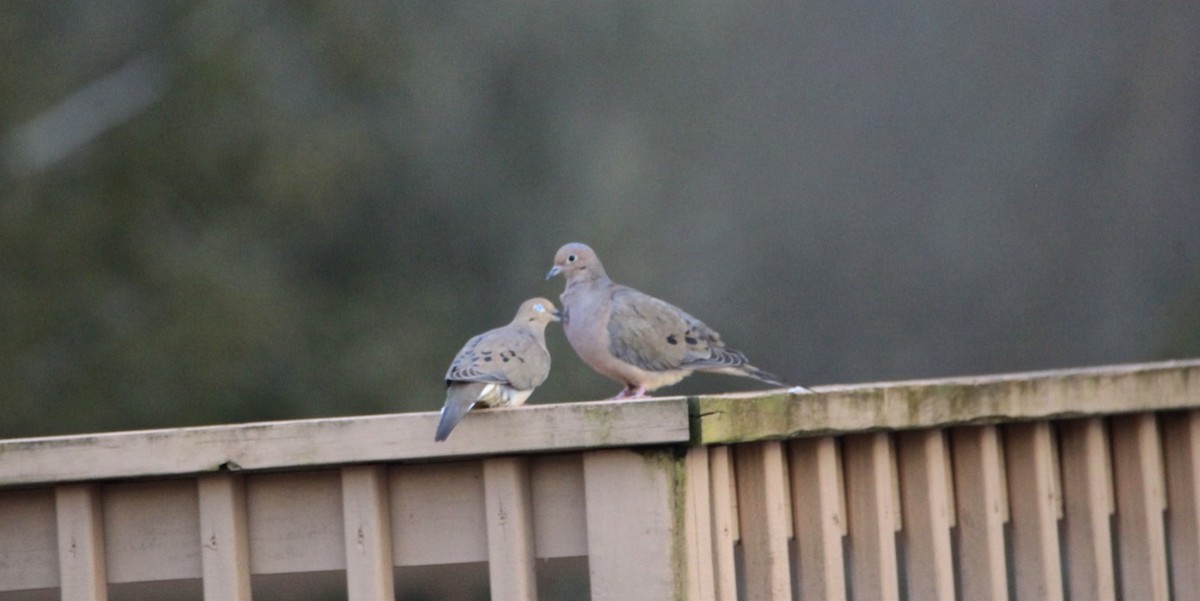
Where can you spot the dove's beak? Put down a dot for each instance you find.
(557, 269)
(556, 315)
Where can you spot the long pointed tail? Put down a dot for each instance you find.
(753, 372)
(457, 405)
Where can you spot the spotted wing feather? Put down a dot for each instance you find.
(657, 336)
(502, 356)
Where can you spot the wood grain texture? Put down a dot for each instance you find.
(701, 574)
(1087, 497)
(224, 541)
(819, 518)
(509, 529)
(150, 530)
(1141, 500)
(925, 487)
(559, 523)
(981, 503)
(81, 564)
(928, 403)
(764, 514)
(300, 443)
(870, 501)
(635, 521)
(723, 497)
(294, 522)
(28, 539)
(366, 522)
(1181, 450)
(1033, 505)
(568, 426)
(438, 514)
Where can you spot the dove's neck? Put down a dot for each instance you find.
(536, 329)
(582, 284)
(539, 334)
(582, 297)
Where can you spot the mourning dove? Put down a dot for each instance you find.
(501, 367)
(634, 338)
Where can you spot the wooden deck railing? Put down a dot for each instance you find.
(1070, 484)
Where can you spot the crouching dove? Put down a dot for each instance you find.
(501, 367)
(634, 338)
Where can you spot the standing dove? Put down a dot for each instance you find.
(501, 367)
(634, 338)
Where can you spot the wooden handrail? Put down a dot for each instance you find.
(337, 441)
(708, 419)
(1091, 391)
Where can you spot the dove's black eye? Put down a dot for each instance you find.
(571, 258)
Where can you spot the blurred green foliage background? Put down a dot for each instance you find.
(225, 211)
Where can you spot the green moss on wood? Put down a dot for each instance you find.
(672, 463)
(601, 419)
(1045, 395)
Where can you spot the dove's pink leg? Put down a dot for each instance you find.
(632, 393)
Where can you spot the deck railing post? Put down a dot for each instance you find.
(819, 518)
(224, 546)
(981, 501)
(765, 515)
(1138, 475)
(927, 493)
(637, 522)
(698, 532)
(509, 529)
(870, 500)
(1034, 506)
(724, 522)
(1088, 501)
(367, 523)
(81, 543)
(1181, 451)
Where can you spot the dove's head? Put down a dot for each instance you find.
(537, 311)
(576, 261)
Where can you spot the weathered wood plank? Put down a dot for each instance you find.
(1087, 496)
(559, 523)
(80, 542)
(925, 490)
(981, 502)
(870, 500)
(1181, 450)
(287, 536)
(151, 529)
(28, 540)
(300, 443)
(763, 507)
(636, 544)
(1033, 506)
(509, 529)
(819, 518)
(724, 521)
(366, 519)
(728, 418)
(701, 575)
(927, 403)
(439, 514)
(1138, 476)
(224, 541)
